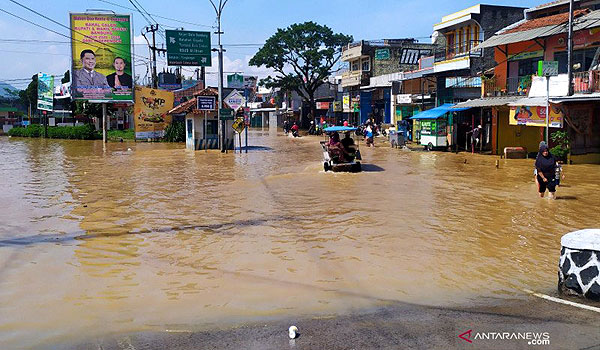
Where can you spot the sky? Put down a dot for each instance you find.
(27, 49)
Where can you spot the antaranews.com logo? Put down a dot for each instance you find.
(532, 338)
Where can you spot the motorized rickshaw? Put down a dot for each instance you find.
(350, 161)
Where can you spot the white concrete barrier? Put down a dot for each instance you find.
(579, 265)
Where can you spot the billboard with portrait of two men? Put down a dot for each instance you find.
(101, 49)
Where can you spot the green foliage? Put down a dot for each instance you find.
(562, 148)
(302, 55)
(117, 135)
(29, 95)
(83, 132)
(175, 132)
(66, 78)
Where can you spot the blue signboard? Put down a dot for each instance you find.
(206, 103)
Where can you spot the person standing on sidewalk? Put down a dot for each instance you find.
(545, 165)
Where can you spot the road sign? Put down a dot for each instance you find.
(226, 114)
(547, 68)
(206, 103)
(239, 125)
(235, 100)
(186, 48)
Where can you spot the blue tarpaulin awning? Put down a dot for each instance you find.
(437, 112)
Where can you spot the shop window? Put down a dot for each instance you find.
(529, 66)
(582, 57)
(366, 64)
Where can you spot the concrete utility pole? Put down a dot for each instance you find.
(219, 11)
(153, 29)
(570, 50)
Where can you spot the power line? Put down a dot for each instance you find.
(60, 24)
(158, 16)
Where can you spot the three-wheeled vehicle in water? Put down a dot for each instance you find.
(341, 154)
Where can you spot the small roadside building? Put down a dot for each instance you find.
(202, 126)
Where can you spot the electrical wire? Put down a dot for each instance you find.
(158, 16)
(62, 25)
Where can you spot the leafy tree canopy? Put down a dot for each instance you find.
(302, 56)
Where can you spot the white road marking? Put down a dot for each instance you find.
(561, 301)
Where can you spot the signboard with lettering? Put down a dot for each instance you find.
(382, 54)
(322, 105)
(187, 48)
(235, 100)
(547, 68)
(206, 103)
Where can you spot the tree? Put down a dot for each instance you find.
(28, 97)
(302, 56)
(66, 78)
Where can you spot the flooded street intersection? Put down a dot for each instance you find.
(157, 237)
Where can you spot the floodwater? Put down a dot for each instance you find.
(97, 241)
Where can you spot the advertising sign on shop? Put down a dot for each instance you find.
(337, 106)
(150, 112)
(101, 57)
(346, 103)
(235, 100)
(45, 92)
(322, 105)
(536, 116)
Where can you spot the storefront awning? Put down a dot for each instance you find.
(530, 101)
(437, 112)
(488, 102)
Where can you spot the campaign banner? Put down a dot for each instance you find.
(536, 116)
(238, 81)
(150, 112)
(101, 49)
(45, 92)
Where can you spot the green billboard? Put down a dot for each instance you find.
(187, 48)
(45, 93)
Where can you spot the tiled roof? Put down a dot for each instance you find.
(546, 21)
(190, 105)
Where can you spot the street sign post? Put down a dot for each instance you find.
(187, 48)
(206, 103)
(547, 69)
(239, 125)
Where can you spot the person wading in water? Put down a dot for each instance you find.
(545, 165)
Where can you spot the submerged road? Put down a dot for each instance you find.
(96, 243)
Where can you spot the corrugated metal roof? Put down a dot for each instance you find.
(529, 101)
(488, 102)
(591, 20)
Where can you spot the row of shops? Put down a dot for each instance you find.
(481, 72)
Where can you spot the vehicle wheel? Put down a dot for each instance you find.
(326, 166)
(356, 168)
(430, 146)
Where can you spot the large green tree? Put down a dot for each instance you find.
(302, 56)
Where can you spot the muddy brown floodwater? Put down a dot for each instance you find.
(157, 237)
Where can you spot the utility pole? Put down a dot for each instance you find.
(153, 29)
(219, 11)
(570, 51)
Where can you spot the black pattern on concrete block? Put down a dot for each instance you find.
(581, 258)
(579, 273)
(594, 292)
